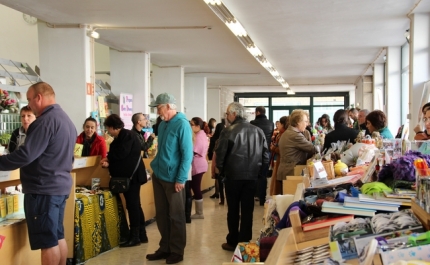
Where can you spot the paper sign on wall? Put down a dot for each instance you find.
(102, 109)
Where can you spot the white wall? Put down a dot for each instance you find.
(130, 74)
(102, 61)
(227, 97)
(65, 65)
(393, 88)
(19, 40)
(214, 107)
(195, 100)
(169, 80)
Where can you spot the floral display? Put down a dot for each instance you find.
(7, 103)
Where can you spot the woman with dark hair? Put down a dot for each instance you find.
(155, 126)
(275, 185)
(421, 129)
(341, 130)
(199, 165)
(211, 125)
(94, 144)
(219, 127)
(325, 124)
(376, 121)
(124, 156)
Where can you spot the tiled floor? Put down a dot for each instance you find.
(204, 239)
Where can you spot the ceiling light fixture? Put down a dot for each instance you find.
(407, 35)
(93, 34)
(236, 28)
(290, 92)
(254, 50)
(218, 7)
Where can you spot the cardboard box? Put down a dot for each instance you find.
(289, 185)
(349, 248)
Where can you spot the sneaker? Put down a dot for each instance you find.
(174, 258)
(157, 255)
(228, 247)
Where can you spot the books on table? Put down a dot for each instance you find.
(377, 198)
(402, 201)
(338, 207)
(390, 194)
(326, 221)
(355, 202)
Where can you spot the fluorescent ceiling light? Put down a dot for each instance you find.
(218, 7)
(213, 2)
(254, 51)
(290, 92)
(265, 63)
(236, 28)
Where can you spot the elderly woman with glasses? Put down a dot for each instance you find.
(376, 121)
(294, 148)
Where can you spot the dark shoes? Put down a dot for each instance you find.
(228, 247)
(174, 258)
(157, 255)
(214, 196)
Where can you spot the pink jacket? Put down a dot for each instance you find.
(200, 149)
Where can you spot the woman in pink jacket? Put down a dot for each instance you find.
(199, 165)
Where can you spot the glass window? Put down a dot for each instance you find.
(329, 101)
(254, 102)
(405, 83)
(291, 101)
(319, 111)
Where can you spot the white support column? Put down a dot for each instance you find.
(65, 64)
(419, 45)
(214, 104)
(393, 88)
(169, 80)
(130, 74)
(195, 101)
(378, 86)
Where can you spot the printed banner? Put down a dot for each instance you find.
(126, 109)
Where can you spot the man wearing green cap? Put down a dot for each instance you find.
(171, 166)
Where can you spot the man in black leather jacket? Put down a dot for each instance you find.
(266, 125)
(240, 154)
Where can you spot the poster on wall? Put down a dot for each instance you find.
(101, 106)
(126, 109)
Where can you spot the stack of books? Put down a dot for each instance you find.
(325, 221)
(364, 205)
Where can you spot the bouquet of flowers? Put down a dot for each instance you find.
(7, 103)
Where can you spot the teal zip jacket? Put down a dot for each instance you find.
(175, 150)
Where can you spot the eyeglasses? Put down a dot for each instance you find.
(192, 124)
(425, 120)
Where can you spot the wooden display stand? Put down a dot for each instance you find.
(16, 246)
(421, 214)
(86, 168)
(207, 181)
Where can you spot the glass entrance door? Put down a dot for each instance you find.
(278, 112)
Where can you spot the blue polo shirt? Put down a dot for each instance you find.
(46, 158)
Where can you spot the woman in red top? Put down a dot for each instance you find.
(94, 145)
(276, 185)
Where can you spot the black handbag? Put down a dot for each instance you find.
(121, 185)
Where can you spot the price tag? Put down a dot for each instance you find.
(4, 175)
(80, 163)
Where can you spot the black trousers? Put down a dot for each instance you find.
(132, 201)
(240, 201)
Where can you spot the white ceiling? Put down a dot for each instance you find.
(309, 42)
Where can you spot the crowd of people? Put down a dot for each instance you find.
(243, 154)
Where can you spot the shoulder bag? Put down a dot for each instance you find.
(121, 185)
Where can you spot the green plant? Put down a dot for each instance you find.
(4, 138)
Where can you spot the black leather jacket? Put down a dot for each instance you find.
(241, 151)
(266, 125)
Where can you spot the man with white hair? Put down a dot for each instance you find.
(171, 166)
(240, 154)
